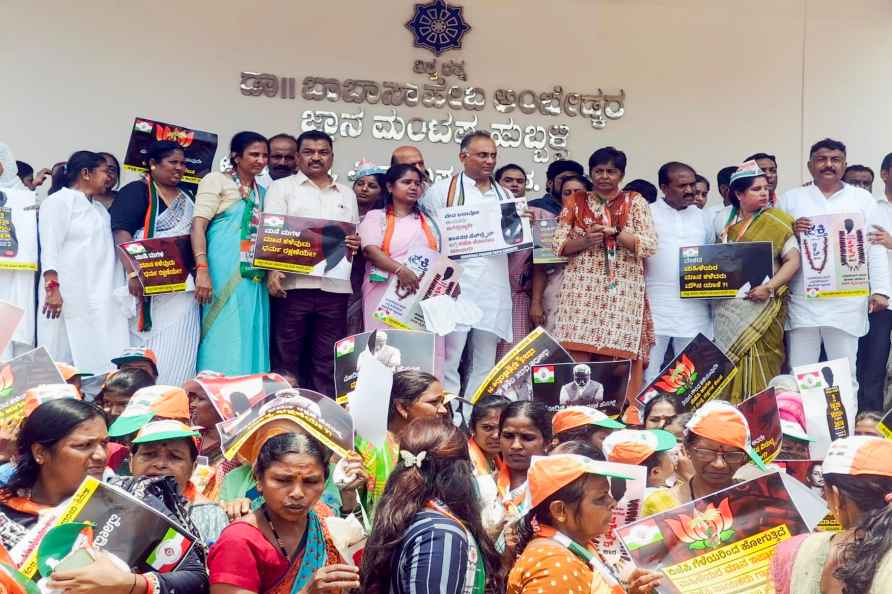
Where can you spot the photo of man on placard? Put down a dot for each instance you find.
(583, 389)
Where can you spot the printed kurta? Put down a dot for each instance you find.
(592, 317)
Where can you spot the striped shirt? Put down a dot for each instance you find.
(433, 558)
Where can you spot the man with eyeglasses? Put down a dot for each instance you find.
(484, 280)
(717, 440)
(836, 323)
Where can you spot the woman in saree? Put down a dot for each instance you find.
(285, 546)
(148, 209)
(751, 330)
(170, 448)
(857, 560)
(60, 444)
(606, 234)
(235, 316)
(427, 537)
(414, 395)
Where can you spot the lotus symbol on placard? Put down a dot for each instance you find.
(708, 529)
(680, 378)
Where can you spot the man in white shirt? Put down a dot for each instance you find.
(679, 223)
(484, 280)
(722, 214)
(835, 323)
(873, 348)
(307, 313)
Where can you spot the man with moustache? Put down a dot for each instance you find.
(557, 172)
(484, 280)
(309, 313)
(679, 223)
(835, 323)
(282, 156)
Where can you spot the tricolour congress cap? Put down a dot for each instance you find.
(720, 421)
(165, 430)
(580, 416)
(634, 446)
(861, 454)
(169, 402)
(549, 474)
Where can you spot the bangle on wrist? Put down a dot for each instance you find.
(200, 254)
(200, 266)
(133, 585)
(132, 275)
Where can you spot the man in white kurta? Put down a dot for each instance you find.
(484, 280)
(18, 252)
(839, 322)
(679, 223)
(76, 242)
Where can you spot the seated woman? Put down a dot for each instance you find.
(118, 388)
(583, 423)
(285, 546)
(170, 448)
(205, 418)
(857, 484)
(660, 410)
(484, 445)
(60, 444)
(414, 395)
(717, 441)
(524, 432)
(572, 505)
(427, 537)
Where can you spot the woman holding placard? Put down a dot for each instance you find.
(61, 443)
(235, 321)
(390, 235)
(284, 546)
(153, 208)
(606, 234)
(751, 330)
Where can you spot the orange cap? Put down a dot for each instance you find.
(860, 454)
(69, 371)
(549, 474)
(580, 416)
(721, 422)
(168, 402)
(632, 446)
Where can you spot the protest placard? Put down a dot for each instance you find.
(511, 375)
(543, 233)
(233, 395)
(163, 264)
(484, 229)
(316, 413)
(198, 147)
(629, 496)
(143, 538)
(314, 247)
(598, 384)
(396, 349)
(10, 316)
(723, 270)
(18, 230)
(438, 275)
(723, 543)
(834, 262)
(811, 475)
(696, 375)
(764, 420)
(829, 401)
(17, 375)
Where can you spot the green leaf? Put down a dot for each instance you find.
(698, 545)
(726, 534)
(694, 376)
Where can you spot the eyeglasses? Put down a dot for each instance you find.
(706, 455)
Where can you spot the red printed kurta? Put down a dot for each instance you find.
(592, 317)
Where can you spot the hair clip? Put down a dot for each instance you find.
(410, 459)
